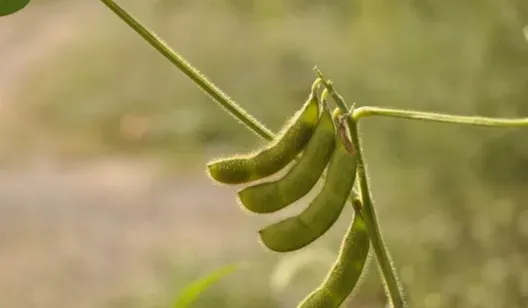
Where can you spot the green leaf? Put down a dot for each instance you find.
(191, 292)
(8, 7)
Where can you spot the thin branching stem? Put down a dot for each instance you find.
(190, 71)
(390, 276)
(388, 272)
(366, 111)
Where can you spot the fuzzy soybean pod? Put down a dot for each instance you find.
(294, 136)
(272, 196)
(346, 271)
(298, 231)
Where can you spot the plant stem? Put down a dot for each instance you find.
(190, 71)
(363, 112)
(394, 290)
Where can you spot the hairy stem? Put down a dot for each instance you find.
(394, 289)
(190, 71)
(363, 112)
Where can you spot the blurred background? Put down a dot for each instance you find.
(103, 197)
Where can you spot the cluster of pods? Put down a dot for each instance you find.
(311, 143)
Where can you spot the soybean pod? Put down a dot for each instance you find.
(298, 231)
(294, 136)
(301, 178)
(346, 271)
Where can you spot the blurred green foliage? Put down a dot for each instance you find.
(193, 290)
(451, 198)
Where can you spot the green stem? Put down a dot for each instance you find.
(338, 99)
(366, 111)
(198, 78)
(394, 289)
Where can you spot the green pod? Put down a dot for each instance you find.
(294, 136)
(301, 178)
(298, 231)
(346, 271)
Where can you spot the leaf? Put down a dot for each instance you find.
(525, 30)
(8, 7)
(191, 292)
